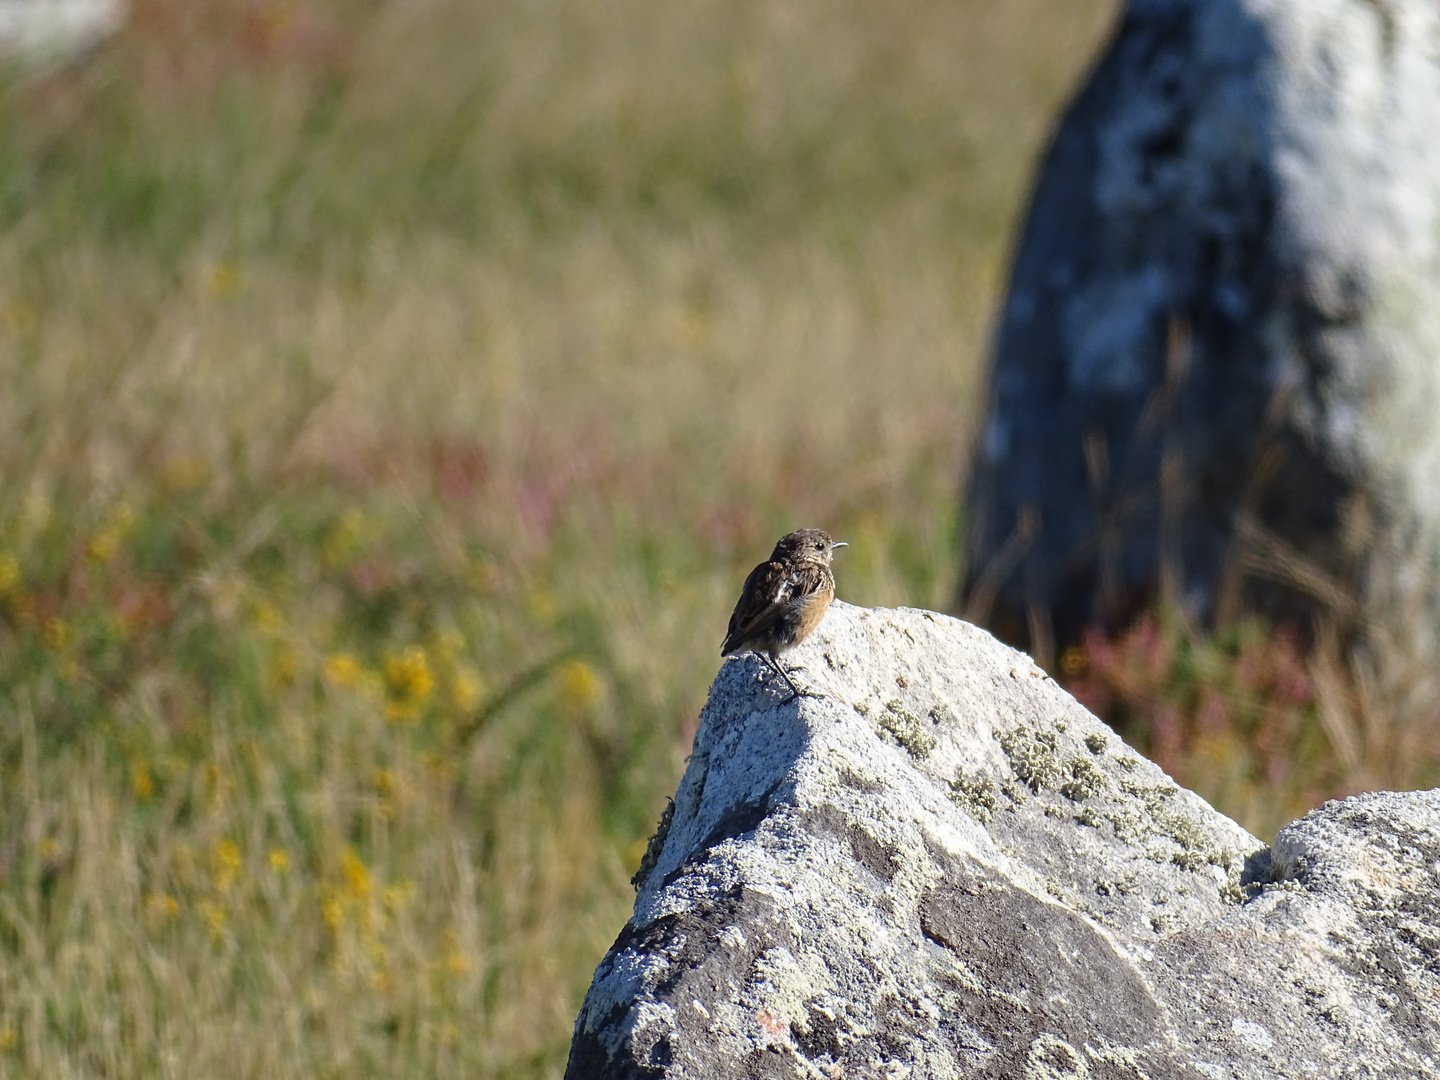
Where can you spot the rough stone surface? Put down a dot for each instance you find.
(1216, 373)
(945, 867)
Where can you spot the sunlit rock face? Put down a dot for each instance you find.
(943, 866)
(39, 33)
(1216, 374)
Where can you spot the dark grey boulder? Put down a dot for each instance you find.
(1216, 377)
(945, 867)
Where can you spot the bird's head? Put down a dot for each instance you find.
(806, 545)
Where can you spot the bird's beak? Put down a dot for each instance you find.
(838, 543)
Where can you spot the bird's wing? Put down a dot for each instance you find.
(766, 590)
(764, 599)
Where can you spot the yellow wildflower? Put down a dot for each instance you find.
(409, 682)
(267, 617)
(456, 962)
(385, 787)
(57, 633)
(342, 669)
(106, 543)
(214, 916)
(225, 865)
(279, 860)
(580, 687)
(103, 546)
(357, 876)
(140, 781)
(466, 689)
(162, 906)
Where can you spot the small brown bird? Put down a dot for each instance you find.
(784, 599)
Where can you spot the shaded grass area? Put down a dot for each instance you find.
(396, 396)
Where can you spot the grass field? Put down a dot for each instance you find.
(396, 394)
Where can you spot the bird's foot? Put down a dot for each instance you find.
(795, 691)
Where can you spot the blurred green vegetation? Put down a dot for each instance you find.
(396, 395)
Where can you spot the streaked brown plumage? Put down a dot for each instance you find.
(784, 599)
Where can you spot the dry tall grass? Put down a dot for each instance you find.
(395, 395)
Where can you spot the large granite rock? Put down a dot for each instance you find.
(1217, 373)
(945, 867)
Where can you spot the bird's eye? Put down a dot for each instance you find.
(819, 546)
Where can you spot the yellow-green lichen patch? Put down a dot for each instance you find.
(1185, 831)
(1088, 815)
(1033, 756)
(975, 795)
(1154, 796)
(1190, 860)
(907, 729)
(1288, 885)
(1166, 820)
(1121, 886)
(1232, 892)
(1084, 779)
(1197, 848)
(1129, 824)
(1096, 742)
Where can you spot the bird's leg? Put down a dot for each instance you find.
(795, 691)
